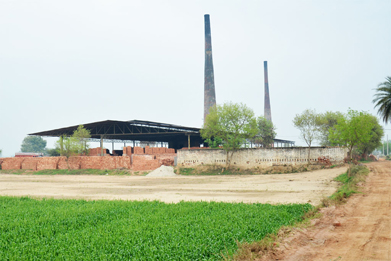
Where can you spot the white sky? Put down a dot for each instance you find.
(66, 63)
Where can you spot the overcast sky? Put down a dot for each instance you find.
(65, 63)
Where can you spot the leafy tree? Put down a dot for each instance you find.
(53, 152)
(67, 146)
(382, 99)
(374, 142)
(327, 121)
(308, 123)
(352, 130)
(0, 152)
(232, 123)
(33, 144)
(75, 144)
(81, 136)
(214, 143)
(266, 133)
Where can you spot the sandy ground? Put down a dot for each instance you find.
(357, 230)
(278, 188)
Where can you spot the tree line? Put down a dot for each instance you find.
(75, 144)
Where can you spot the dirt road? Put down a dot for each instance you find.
(278, 188)
(364, 232)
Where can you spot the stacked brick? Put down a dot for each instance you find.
(30, 163)
(166, 159)
(48, 163)
(145, 162)
(138, 150)
(97, 152)
(12, 163)
(137, 159)
(127, 151)
(148, 150)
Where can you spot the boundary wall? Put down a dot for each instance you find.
(261, 158)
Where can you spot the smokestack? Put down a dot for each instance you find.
(209, 82)
(267, 110)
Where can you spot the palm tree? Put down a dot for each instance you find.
(383, 99)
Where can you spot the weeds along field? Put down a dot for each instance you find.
(51, 229)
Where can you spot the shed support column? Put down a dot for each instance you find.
(101, 145)
(188, 140)
(112, 147)
(62, 145)
(133, 143)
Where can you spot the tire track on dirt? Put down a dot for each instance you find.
(364, 232)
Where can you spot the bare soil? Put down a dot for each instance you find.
(277, 188)
(357, 230)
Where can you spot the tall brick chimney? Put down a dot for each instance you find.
(267, 110)
(209, 83)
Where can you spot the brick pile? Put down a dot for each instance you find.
(148, 150)
(324, 160)
(127, 151)
(138, 150)
(30, 163)
(170, 150)
(96, 152)
(166, 159)
(74, 163)
(145, 162)
(137, 159)
(12, 163)
(48, 163)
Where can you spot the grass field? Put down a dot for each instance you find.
(132, 230)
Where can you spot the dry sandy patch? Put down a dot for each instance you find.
(277, 188)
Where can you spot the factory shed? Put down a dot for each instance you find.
(176, 136)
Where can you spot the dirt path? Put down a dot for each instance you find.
(365, 226)
(279, 188)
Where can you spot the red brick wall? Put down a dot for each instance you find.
(166, 159)
(145, 162)
(135, 162)
(30, 163)
(96, 152)
(12, 163)
(138, 150)
(48, 163)
(74, 162)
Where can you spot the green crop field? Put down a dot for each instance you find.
(52, 229)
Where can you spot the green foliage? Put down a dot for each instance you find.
(129, 230)
(0, 152)
(33, 144)
(53, 152)
(232, 123)
(352, 130)
(377, 133)
(308, 124)
(67, 146)
(214, 143)
(75, 144)
(382, 99)
(349, 182)
(81, 135)
(326, 122)
(266, 133)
